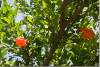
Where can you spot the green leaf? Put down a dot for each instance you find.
(3, 52)
(44, 4)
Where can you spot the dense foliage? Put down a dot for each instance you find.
(52, 30)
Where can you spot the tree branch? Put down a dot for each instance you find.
(59, 36)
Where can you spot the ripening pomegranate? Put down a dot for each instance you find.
(87, 33)
(21, 42)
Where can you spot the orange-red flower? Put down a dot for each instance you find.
(21, 42)
(87, 34)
